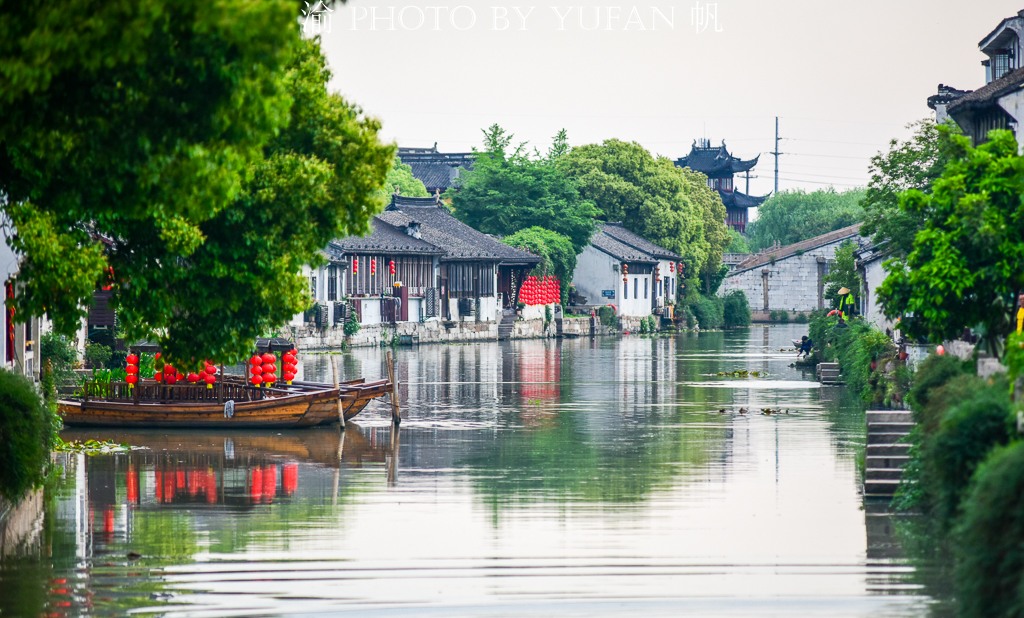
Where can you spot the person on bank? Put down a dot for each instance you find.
(806, 345)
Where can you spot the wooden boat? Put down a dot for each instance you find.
(230, 403)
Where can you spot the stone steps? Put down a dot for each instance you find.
(828, 373)
(885, 454)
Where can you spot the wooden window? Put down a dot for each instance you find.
(636, 288)
(332, 282)
(625, 290)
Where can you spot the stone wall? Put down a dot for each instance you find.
(794, 282)
(21, 524)
(434, 331)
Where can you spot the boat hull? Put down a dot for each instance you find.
(303, 409)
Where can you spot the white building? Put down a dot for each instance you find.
(622, 269)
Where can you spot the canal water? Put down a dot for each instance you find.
(573, 477)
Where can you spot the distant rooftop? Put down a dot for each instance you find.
(714, 161)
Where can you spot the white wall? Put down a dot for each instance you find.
(792, 280)
(595, 272)
(874, 275)
(1013, 103)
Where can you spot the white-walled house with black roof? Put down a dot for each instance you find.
(622, 269)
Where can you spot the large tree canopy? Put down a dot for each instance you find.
(913, 164)
(511, 191)
(966, 266)
(667, 205)
(791, 216)
(190, 146)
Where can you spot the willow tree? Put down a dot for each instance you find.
(186, 153)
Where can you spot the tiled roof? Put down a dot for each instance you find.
(436, 170)
(987, 94)
(714, 161)
(621, 234)
(459, 241)
(385, 238)
(737, 200)
(778, 253)
(619, 250)
(434, 175)
(945, 95)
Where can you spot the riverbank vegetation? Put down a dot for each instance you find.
(28, 430)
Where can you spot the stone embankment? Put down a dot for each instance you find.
(440, 331)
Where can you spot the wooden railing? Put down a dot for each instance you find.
(155, 392)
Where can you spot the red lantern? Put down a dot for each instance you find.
(202, 375)
(288, 376)
(170, 379)
(256, 380)
(131, 369)
(209, 379)
(269, 378)
(192, 377)
(288, 357)
(132, 359)
(132, 379)
(268, 368)
(391, 265)
(373, 266)
(256, 370)
(256, 360)
(355, 265)
(269, 358)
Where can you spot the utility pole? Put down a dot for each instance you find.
(776, 153)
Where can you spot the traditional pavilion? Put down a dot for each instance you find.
(719, 166)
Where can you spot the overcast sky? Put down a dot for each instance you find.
(843, 77)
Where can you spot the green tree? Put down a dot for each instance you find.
(667, 205)
(192, 148)
(913, 164)
(843, 274)
(965, 268)
(558, 256)
(737, 243)
(791, 216)
(511, 191)
(400, 177)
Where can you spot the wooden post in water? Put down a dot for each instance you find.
(341, 408)
(396, 411)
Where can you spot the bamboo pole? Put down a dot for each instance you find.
(396, 411)
(341, 408)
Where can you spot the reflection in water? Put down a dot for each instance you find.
(527, 475)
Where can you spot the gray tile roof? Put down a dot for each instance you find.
(458, 240)
(987, 94)
(434, 175)
(385, 238)
(622, 235)
(619, 250)
(714, 161)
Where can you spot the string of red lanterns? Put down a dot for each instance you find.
(540, 291)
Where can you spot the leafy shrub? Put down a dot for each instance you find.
(736, 310)
(970, 429)
(990, 564)
(932, 373)
(643, 326)
(801, 318)
(773, 316)
(607, 316)
(28, 430)
(857, 347)
(784, 316)
(57, 368)
(708, 312)
(97, 355)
